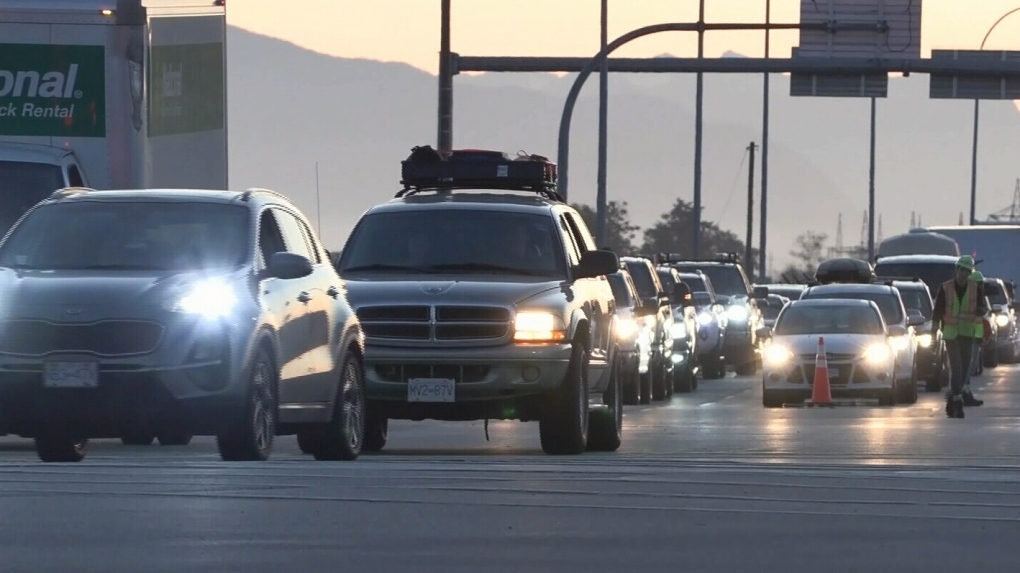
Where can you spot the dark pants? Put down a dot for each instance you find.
(960, 352)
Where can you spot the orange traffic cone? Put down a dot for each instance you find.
(821, 393)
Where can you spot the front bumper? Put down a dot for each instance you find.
(846, 378)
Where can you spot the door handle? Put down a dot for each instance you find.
(304, 297)
(333, 292)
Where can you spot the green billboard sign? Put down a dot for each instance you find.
(187, 88)
(52, 90)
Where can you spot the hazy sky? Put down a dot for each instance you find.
(408, 30)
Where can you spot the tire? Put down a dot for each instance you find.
(659, 382)
(770, 400)
(906, 392)
(748, 367)
(684, 381)
(251, 435)
(57, 449)
(605, 433)
(989, 359)
(937, 379)
(563, 427)
(137, 440)
(307, 441)
(631, 387)
(888, 399)
(344, 436)
(174, 440)
(376, 431)
(645, 386)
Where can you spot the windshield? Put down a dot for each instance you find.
(696, 283)
(832, 319)
(931, 274)
(22, 185)
(725, 279)
(917, 300)
(701, 298)
(995, 293)
(455, 240)
(620, 291)
(644, 281)
(888, 304)
(129, 235)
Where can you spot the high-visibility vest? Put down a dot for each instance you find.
(961, 319)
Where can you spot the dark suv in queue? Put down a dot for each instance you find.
(174, 313)
(483, 296)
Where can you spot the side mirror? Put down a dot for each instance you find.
(596, 264)
(915, 320)
(664, 299)
(722, 299)
(1015, 306)
(287, 266)
(760, 292)
(682, 293)
(897, 330)
(764, 333)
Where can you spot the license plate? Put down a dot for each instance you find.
(430, 390)
(71, 374)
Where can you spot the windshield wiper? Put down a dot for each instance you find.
(484, 267)
(385, 267)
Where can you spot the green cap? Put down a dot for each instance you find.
(976, 276)
(965, 262)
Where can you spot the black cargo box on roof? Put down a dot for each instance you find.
(845, 270)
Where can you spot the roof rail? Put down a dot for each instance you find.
(247, 193)
(731, 258)
(69, 191)
(427, 169)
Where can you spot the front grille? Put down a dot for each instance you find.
(460, 374)
(104, 338)
(829, 357)
(436, 323)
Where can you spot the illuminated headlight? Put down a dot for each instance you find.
(1001, 320)
(208, 298)
(626, 328)
(924, 340)
(736, 313)
(539, 327)
(899, 343)
(878, 353)
(679, 330)
(704, 319)
(776, 355)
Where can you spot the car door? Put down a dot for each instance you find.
(595, 291)
(309, 333)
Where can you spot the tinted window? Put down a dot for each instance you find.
(22, 185)
(455, 240)
(620, 291)
(725, 279)
(74, 178)
(932, 274)
(125, 235)
(917, 300)
(828, 320)
(644, 280)
(294, 235)
(995, 293)
(888, 303)
(696, 284)
(701, 298)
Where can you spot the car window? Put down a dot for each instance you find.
(620, 291)
(726, 279)
(932, 274)
(696, 284)
(129, 235)
(23, 185)
(701, 298)
(888, 303)
(995, 293)
(456, 240)
(293, 234)
(644, 279)
(799, 320)
(917, 300)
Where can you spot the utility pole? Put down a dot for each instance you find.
(445, 138)
(763, 219)
(600, 200)
(871, 190)
(698, 115)
(748, 252)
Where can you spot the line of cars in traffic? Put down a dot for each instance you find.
(876, 322)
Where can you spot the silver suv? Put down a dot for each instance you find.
(478, 303)
(174, 313)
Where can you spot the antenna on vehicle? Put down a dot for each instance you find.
(318, 211)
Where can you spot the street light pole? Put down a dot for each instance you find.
(600, 200)
(764, 154)
(698, 116)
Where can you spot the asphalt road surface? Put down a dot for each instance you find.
(711, 481)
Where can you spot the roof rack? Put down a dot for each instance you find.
(729, 258)
(247, 193)
(69, 191)
(427, 169)
(845, 270)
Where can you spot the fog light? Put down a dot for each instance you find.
(531, 373)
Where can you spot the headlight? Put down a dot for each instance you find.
(736, 313)
(1001, 320)
(705, 318)
(899, 343)
(208, 298)
(924, 340)
(679, 330)
(878, 353)
(626, 328)
(776, 355)
(539, 327)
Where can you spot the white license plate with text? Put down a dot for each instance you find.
(71, 374)
(431, 390)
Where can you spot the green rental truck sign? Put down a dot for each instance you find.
(52, 90)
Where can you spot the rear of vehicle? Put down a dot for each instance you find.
(933, 270)
(1004, 316)
(861, 362)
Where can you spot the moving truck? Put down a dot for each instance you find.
(110, 94)
(993, 246)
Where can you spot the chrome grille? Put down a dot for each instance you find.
(435, 323)
(459, 373)
(103, 338)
